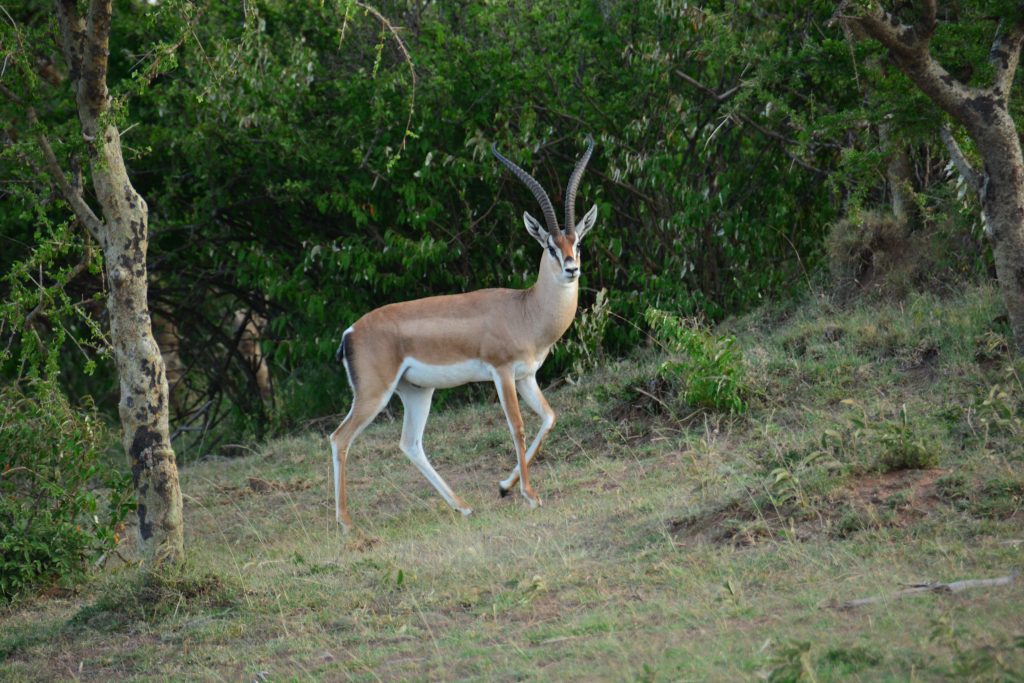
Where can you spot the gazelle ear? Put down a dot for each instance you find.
(535, 229)
(587, 223)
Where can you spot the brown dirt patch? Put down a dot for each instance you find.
(258, 486)
(889, 500)
(915, 486)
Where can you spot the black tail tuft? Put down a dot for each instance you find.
(344, 355)
(339, 355)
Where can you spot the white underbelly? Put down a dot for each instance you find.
(456, 374)
(449, 375)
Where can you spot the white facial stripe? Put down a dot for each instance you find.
(553, 250)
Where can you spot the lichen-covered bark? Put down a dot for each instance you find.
(143, 407)
(123, 235)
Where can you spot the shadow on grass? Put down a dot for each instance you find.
(152, 596)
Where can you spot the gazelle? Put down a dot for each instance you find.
(496, 335)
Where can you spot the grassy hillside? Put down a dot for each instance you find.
(882, 448)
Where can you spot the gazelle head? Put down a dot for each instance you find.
(562, 245)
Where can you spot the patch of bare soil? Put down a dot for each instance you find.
(258, 486)
(916, 489)
(890, 500)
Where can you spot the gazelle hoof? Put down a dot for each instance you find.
(502, 491)
(466, 512)
(534, 502)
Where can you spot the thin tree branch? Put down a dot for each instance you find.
(961, 162)
(926, 27)
(909, 48)
(778, 137)
(1004, 56)
(72, 194)
(405, 55)
(918, 589)
(71, 275)
(900, 39)
(718, 97)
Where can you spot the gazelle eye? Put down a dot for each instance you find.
(551, 250)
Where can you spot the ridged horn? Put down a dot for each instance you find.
(574, 184)
(538, 192)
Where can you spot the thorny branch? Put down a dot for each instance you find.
(405, 55)
(767, 132)
(71, 193)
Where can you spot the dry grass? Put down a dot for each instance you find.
(603, 582)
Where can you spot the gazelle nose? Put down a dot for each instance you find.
(572, 271)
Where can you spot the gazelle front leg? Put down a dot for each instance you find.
(505, 382)
(531, 393)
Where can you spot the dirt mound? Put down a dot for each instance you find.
(890, 500)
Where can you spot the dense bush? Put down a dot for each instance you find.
(309, 163)
(52, 520)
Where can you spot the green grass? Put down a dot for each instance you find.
(696, 547)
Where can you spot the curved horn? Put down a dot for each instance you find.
(538, 192)
(574, 183)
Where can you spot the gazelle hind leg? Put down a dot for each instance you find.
(505, 383)
(531, 393)
(361, 414)
(416, 401)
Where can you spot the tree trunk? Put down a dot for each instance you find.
(1002, 198)
(123, 235)
(900, 177)
(143, 407)
(984, 112)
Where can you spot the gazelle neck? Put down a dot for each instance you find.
(553, 299)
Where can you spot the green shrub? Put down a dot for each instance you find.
(52, 522)
(903, 446)
(705, 370)
(583, 345)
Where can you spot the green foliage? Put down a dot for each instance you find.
(903, 447)
(583, 341)
(875, 443)
(705, 370)
(792, 482)
(790, 663)
(1001, 412)
(52, 520)
(302, 162)
(274, 112)
(1000, 496)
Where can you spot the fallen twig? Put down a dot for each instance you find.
(919, 588)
